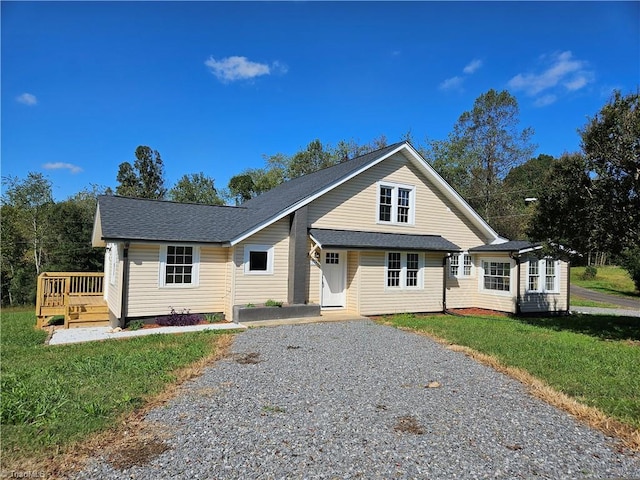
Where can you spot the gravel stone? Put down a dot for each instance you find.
(352, 400)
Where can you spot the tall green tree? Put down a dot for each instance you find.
(485, 144)
(143, 179)
(315, 157)
(241, 188)
(196, 188)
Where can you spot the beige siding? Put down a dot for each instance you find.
(315, 278)
(375, 298)
(353, 282)
(494, 300)
(544, 302)
(113, 292)
(260, 288)
(147, 298)
(352, 206)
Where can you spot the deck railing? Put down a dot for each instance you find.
(55, 288)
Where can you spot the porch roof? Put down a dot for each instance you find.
(327, 238)
(520, 246)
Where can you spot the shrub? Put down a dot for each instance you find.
(179, 319)
(272, 303)
(135, 324)
(631, 263)
(214, 317)
(590, 273)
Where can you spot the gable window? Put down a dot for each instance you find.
(496, 276)
(542, 276)
(396, 203)
(403, 270)
(460, 265)
(179, 265)
(258, 259)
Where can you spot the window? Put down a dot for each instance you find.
(258, 259)
(179, 266)
(454, 265)
(396, 203)
(403, 270)
(332, 258)
(496, 276)
(542, 276)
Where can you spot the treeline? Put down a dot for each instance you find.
(585, 202)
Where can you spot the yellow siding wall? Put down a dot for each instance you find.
(493, 300)
(260, 288)
(113, 293)
(146, 298)
(315, 277)
(541, 302)
(375, 298)
(353, 282)
(352, 206)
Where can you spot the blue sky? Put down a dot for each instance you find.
(215, 86)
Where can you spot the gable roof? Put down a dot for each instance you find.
(126, 218)
(328, 238)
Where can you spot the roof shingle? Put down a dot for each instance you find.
(376, 240)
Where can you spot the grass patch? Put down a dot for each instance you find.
(56, 396)
(612, 280)
(592, 359)
(578, 301)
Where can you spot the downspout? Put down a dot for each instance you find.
(444, 282)
(568, 287)
(125, 285)
(518, 298)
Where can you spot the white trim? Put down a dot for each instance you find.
(269, 249)
(195, 267)
(395, 187)
(403, 271)
(481, 274)
(460, 265)
(542, 276)
(417, 159)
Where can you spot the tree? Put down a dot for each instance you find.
(195, 188)
(564, 211)
(143, 179)
(241, 188)
(611, 143)
(314, 158)
(489, 143)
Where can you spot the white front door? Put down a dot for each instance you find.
(334, 278)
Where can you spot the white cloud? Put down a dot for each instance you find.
(235, 68)
(562, 72)
(545, 100)
(451, 83)
(27, 99)
(62, 166)
(472, 67)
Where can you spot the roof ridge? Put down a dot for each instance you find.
(165, 201)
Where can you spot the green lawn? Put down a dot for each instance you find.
(578, 301)
(612, 280)
(53, 396)
(594, 359)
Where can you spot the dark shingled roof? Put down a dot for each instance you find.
(124, 218)
(510, 246)
(376, 240)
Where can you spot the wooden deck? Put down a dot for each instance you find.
(76, 296)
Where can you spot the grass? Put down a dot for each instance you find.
(56, 396)
(578, 301)
(612, 280)
(592, 359)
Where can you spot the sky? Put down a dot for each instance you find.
(216, 86)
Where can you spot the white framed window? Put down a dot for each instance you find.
(258, 259)
(496, 275)
(460, 265)
(396, 203)
(543, 276)
(403, 270)
(179, 266)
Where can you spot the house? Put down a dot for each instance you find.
(382, 233)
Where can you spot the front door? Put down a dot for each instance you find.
(334, 278)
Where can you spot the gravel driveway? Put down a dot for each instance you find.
(351, 400)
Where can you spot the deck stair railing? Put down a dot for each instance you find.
(59, 293)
